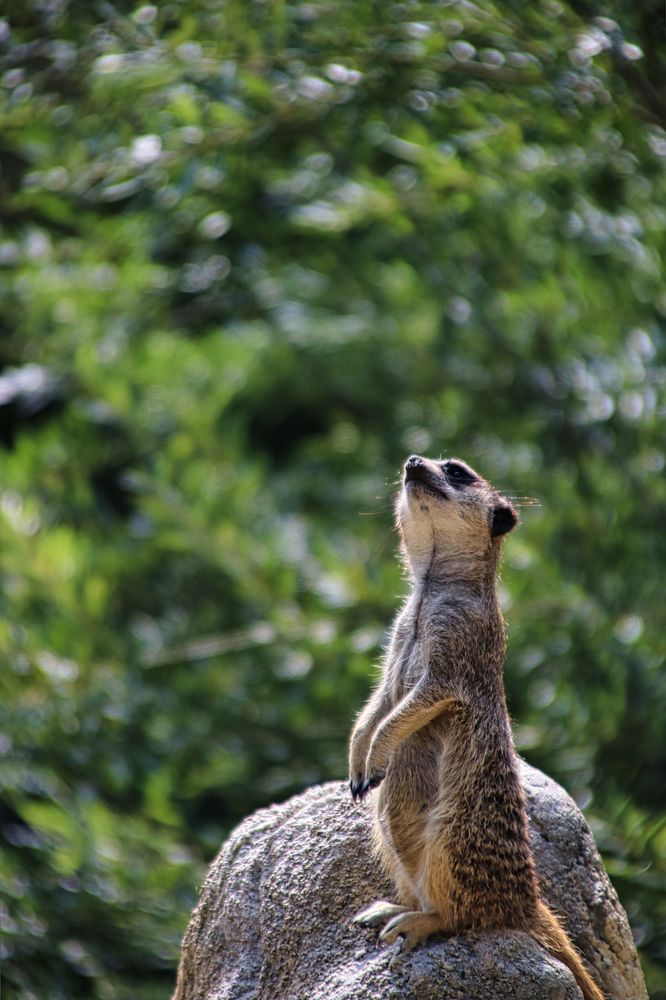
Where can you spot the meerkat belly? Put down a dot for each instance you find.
(412, 776)
(409, 792)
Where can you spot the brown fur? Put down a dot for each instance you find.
(450, 819)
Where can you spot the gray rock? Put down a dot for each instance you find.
(274, 919)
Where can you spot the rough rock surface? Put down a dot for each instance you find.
(274, 919)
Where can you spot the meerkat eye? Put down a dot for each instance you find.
(457, 474)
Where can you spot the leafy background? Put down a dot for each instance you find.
(252, 255)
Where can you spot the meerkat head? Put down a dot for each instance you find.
(446, 511)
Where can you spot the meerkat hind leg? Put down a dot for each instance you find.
(414, 926)
(379, 913)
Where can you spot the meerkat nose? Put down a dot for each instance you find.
(413, 461)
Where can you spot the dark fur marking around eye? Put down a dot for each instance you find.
(458, 475)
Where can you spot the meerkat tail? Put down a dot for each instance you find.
(550, 935)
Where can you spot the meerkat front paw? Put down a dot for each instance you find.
(373, 779)
(357, 758)
(360, 786)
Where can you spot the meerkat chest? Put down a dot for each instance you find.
(406, 667)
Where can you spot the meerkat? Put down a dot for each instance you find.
(450, 823)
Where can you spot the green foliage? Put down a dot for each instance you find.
(252, 255)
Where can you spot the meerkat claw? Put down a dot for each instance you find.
(360, 791)
(375, 779)
(378, 912)
(393, 930)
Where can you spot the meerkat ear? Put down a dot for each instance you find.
(504, 519)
